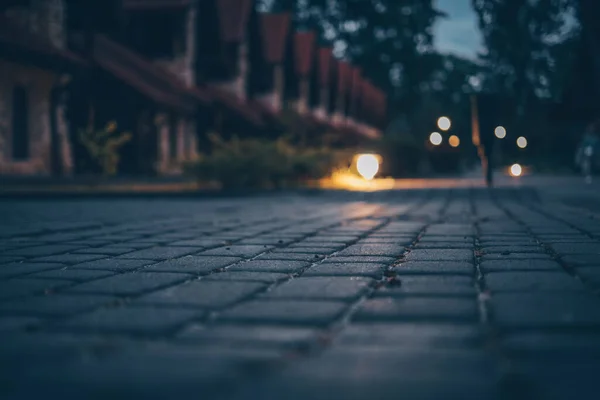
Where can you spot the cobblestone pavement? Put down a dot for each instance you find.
(423, 294)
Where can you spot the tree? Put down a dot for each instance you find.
(522, 39)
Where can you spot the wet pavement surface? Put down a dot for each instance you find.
(452, 293)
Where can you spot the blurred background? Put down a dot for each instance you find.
(282, 91)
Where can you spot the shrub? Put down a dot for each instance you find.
(103, 146)
(262, 163)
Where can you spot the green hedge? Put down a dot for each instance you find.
(262, 163)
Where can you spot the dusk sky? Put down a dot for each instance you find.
(458, 33)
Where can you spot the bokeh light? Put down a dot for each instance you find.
(521, 142)
(435, 138)
(367, 165)
(444, 123)
(516, 170)
(454, 141)
(500, 132)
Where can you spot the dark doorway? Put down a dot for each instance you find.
(20, 124)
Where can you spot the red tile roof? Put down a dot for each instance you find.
(274, 30)
(233, 17)
(154, 4)
(303, 51)
(325, 63)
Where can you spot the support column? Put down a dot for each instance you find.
(192, 146)
(162, 159)
(181, 140)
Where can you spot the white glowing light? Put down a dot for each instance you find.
(500, 132)
(516, 170)
(435, 138)
(367, 165)
(522, 142)
(444, 123)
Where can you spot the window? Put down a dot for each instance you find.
(20, 124)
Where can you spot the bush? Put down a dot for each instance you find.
(103, 146)
(261, 163)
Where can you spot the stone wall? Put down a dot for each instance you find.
(38, 84)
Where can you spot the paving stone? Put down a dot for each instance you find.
(70, 259)
(54, 305)
(25, 268)
(322, 287)
(8, 324)
(245, 251)
(201, 293)
(548, 310)
(411, 335)
(199, 243)
(590, 274)
(106, 250)
(445, 246)
(267, 277)
(306, 250)
(439, 255)
(532, 281)
(354, 375)
(337, 259)
(160, 253)
(303, 312)
(72, 274)
(291, 257)
(244, 335)
(259, 265)
(520, 265)
(450, 309)
(133, 283)
(491, 249)
(431, 285)
(141, 320)
(38, 251)
(515, 256)
(584, 260)
(551, 344)
(9, 259)
(346, 269)
(373, 250)
(435, 267)
(113, 264)
(194, 264)
(20, 287)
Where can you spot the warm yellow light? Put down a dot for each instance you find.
(522, 142)
(435, 138)
(367, 165)
(444, 123)
(500, 132)
(454, 141)
(516, 170)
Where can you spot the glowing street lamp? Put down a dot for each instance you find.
(435, 138)
(521, 142)
(516, 170)
(367, 165)
(454, 141)
(444, 123)
(500, 132)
